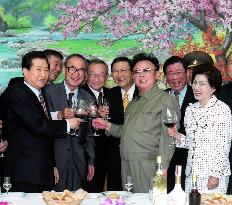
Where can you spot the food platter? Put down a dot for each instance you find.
(65, 198)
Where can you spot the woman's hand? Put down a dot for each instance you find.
(172, 132)
(213, 182)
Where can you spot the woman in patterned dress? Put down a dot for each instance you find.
(208, 125)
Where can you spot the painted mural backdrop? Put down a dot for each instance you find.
(110, 28)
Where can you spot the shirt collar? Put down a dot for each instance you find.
(130, 92)
(182, 92)
(34, 90)
(212, 101)
(67, 90)
(95, 92)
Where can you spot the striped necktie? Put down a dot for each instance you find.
(125, 100)
(42, 102)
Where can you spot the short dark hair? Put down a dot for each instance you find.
(212, 74)
(121, 59)
(50, 52)
(97, 61)
(145, 56)
(172, 60)
(28, 57)
(75, 55)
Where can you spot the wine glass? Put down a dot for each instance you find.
(7, 184)
(129, 184)
(92, 111)
(106, 104)
(80, 110)
(169, 119)
(2, 143)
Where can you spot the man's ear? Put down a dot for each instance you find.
(25, 72)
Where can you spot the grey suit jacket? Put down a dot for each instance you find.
(78, 150)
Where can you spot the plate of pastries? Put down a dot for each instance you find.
(216, 198)
(64, 198)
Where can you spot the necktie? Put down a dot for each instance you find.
(42, 102)
(177, 96)
(70, 95)
(99, 99)
(125, 100)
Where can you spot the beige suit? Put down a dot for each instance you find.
(143, 137)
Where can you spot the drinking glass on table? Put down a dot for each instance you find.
(169, 119)
(129, 184)
(7, 184)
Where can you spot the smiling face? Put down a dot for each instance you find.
(55, 67)
(176, 77)
(74, 79)
(97, 75)
(145, 75)
(201, 89)
(122, 75)
(37, 75)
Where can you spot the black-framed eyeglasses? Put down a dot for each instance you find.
(73, 69)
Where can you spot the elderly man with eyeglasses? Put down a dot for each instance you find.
(74, 156)
(143, 135)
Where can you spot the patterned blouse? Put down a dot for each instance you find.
(208, 138)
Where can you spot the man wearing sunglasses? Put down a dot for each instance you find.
(74, 156)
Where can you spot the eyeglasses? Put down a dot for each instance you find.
(94, 75)
(73, 70)
(123, 71)
(201, 84)
(144, 71)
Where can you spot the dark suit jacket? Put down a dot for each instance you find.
(225, 94)
(30, 153)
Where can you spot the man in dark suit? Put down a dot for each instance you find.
(225, 95)
(74, 155)
(175, 72)
(122, 74)
(97, 74)
(30, 130)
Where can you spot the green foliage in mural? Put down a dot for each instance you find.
(21, 22)
(49, 20)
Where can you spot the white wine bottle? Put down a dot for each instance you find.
(159, 185)
(177, 196)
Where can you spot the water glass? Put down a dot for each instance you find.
(7, 184)
(151, 181)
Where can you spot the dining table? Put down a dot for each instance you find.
(20, 198)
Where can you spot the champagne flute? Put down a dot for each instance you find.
(7, 184)
(106, 104)
(129, 184)
(169, 119)
(92, 110)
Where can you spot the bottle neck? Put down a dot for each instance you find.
(159, 169)
(177, 179)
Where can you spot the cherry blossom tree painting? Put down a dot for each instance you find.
(159, 24)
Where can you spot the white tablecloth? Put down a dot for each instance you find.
(36, 199)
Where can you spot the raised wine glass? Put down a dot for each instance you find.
(80, 110)
(92, 110)
(169, 119)
(7, 184)
(2, 143)
(106, 104)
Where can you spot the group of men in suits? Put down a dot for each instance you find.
(30, 130)
(35, 125)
